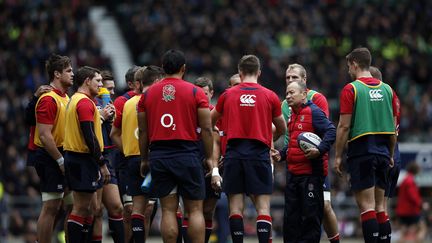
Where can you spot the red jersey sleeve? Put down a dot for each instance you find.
(85, 110)
(321, 101)
(347, 100)
(277, 109)
(201, 99)
(220, 103)
(140, 105)
(46, 110)
(119, 104)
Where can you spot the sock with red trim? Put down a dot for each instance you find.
(138, 231)
(384, 228)
(208, 230)
(179, 227)
(75, 227)
(334, 239)
(88, 228)
(370, 226)
(116, 228)
(264, 228)
(184, 230)
(237, 228)
(96, 239)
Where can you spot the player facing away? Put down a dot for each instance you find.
(49, 138)
(306, 171)
(367, 108)
(141, 209)
(296, 72)
(169, 113)
(211, 195)
(251, 109)
(393, 175)
(119, 160)
(83, 145)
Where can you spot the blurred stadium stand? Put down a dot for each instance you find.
(214, 35)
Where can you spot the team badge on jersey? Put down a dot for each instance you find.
(168, 93)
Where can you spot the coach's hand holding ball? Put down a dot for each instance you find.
(309, 142)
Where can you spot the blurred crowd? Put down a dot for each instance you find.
(315, 33)
(214, 35)
(30, 32)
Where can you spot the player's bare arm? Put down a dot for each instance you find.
(49, 144)
(279, 123)
(115, 136)
(342, 132)
(143, 142)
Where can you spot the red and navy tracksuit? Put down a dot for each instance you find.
(304, 202)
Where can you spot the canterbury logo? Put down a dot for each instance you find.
(375, 95)
(247, 100)
(137, 229)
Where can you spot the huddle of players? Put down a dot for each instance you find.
(164, 141)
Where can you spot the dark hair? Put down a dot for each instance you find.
(375, 72)
(130, 74)
(56, 63)
(106, 75)
(413, 168)
(148, 75)
(249, 65)
(361, 56)
(172, 61)
(83, 73)
(203, 82)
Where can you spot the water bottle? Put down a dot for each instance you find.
(145, 186)
(105, 96)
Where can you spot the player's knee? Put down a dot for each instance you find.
(127, 211)
(116, 209)
(51, 208)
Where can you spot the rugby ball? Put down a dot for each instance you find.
(307, 140)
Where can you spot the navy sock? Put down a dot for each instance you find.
(115, 224)
(370, 226)
(179, 226)
(75, 227)
(88, 229)
(208, 230)
(264, 228)
(384, 228)
(138, 231)
(237, 228)
(184, 229)
(96, 239)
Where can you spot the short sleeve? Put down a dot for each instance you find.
(85, 110)
(321, 101)
(347, 100)
(119, 104)
(220, 103)
(201, 98)
(141, 103)
(46, 110)
(277, 109)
